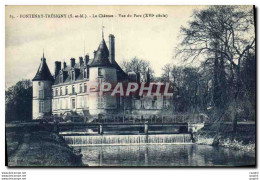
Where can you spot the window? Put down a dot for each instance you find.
(60, 91)
(60, 103)
(164, 101)
(41, 107)
(153, 103)
(56, 91)
(80, 88)
(100, 101)
(52, 91)
(73, 89)
(142, 103)
(85, 73)
(133, 103)
(99, 71)
(39, 83)
(61, 80)
(66, 90)
(41, 95)
(73, 104)
(73, 75)
(85, 87)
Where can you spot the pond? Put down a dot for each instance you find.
(174, 155)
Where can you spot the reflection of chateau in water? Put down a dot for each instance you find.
(67, 91)
(164, 155)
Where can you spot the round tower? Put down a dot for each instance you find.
(42, 83)
(101, 70)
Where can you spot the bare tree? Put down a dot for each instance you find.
(18, 101)
(220, 33)
(138, 65)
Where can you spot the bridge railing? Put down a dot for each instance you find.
(178, 118)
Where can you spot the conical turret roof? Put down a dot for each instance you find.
(102, 56)
(43, 72)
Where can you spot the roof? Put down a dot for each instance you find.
(101, 59)
(121, 75)
(43, 72)
(102, 56)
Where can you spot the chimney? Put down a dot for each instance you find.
(64, 65)
(57, 68)
(72, 62)
(111, 48)
(86, 60)
(80, 61)
(95, 52)
(148, 78)
(138, 79)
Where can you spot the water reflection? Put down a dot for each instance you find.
(164, 155)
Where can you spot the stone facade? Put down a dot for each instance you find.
(72, 88)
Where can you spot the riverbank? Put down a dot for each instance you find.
(243, 139)
(39, 147)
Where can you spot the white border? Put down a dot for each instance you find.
(115, 174)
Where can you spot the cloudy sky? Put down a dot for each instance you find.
(152, 39)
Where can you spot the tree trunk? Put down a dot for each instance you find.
(234, 123)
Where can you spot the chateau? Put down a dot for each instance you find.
(67, 92)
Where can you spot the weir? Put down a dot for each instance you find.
(128, 139)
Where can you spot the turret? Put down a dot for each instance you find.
(42, 83)
(100, 70)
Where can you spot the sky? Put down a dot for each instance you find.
(152, 39)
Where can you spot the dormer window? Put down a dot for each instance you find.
(73, 75)
(61, 79)
(85, 73)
